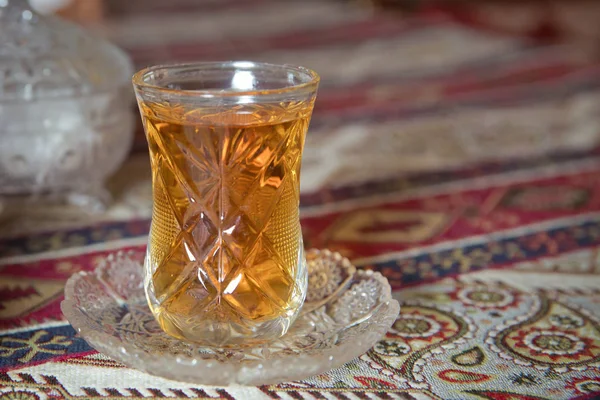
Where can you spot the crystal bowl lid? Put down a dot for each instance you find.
(43, 57)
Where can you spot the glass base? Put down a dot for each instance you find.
(219, 325)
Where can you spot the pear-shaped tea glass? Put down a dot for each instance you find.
(225, 262)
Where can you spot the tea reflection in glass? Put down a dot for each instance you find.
(225, 263)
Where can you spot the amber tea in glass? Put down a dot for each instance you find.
(225, 263)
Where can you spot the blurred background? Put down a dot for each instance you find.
(406, 85)
(413, 92)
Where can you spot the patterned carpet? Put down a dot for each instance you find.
(466, 170)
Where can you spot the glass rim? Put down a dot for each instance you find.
(140, 83)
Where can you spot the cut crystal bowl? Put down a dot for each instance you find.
(65, 108)
(346, 312)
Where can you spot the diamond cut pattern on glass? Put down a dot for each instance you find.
(224, 255)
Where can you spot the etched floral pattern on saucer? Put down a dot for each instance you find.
(346, 313)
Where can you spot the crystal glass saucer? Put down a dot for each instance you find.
(346, 312)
